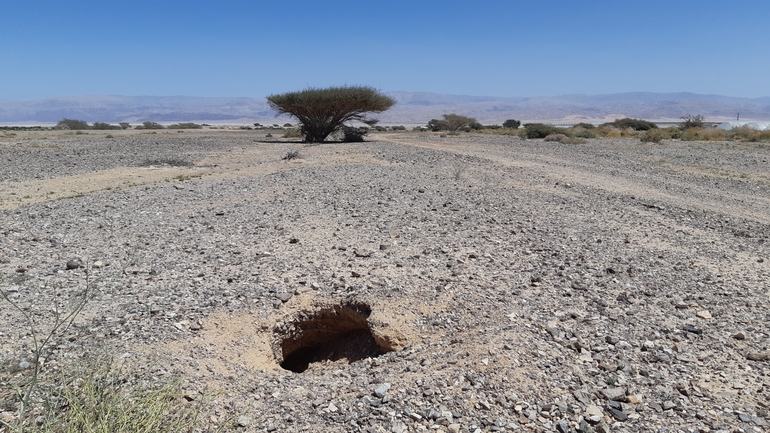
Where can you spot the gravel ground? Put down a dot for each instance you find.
(508, 285)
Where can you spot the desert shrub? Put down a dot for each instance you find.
(398, 128)
(124, 125)
(583, 133)
(541, 130)
(379, 128)
(453, 122)
(351, 134)
(72, 124)
(653, 136)
(187, 125)
(269, 135)
(584, 125)
(104, 126)
(690, 121)
(292, 133)
(561, 138)
(96, 399)
(635, 124)
(292, 154)
(607, 131)
(288, 125)
(321, 112)
(512, 124)
(150, 125)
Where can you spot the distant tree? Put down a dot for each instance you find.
(187, 125)
(323, 111)
(72, 124)
(512, 123)
(453, 122)
(690, 121)
(103, 126)
(151, 125)
(124, 125)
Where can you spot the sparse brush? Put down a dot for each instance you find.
(562, 138)
(458, 170)
(292, 154)
(96, 400)
(652, 136)
(173, 162)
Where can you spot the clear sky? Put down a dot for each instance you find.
(498, 48)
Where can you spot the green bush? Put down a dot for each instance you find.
(398, 128)
(635, 124)
(541, 130)
(453, 122)
(187, 125)
(512, 124)
(150, 125)
(104, 126)
(124, 125)
(72, 124)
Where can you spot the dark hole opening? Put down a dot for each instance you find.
(335, 333)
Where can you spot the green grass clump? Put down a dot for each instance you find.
(98, 401)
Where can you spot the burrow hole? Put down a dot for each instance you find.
(333, 333)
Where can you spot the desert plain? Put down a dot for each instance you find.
(477, 282)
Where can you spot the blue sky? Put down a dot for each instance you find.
(497, 48)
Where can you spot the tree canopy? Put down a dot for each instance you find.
(323, 111)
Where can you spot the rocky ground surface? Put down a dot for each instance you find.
(515, 285)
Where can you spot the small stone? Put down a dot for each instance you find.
(615, 393)
(740, 336)
(693, 329)
(399, 427)
(669, 404)
(633, 399)
(381, 389)
(758, 356)
(243, 421)
(453, 428)
(24, 365)
(284, 297)
(703, 314)
(97, 264)
(562, 427)
(593, 413)
(354, 274)
(619, 415)
(74, 264)
(293, 241)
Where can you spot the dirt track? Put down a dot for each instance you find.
(517, 285)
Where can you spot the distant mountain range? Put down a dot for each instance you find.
(412, 108)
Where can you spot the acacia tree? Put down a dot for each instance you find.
(323, 111)
(453, 122)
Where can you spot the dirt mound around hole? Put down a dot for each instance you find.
(331, 333)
